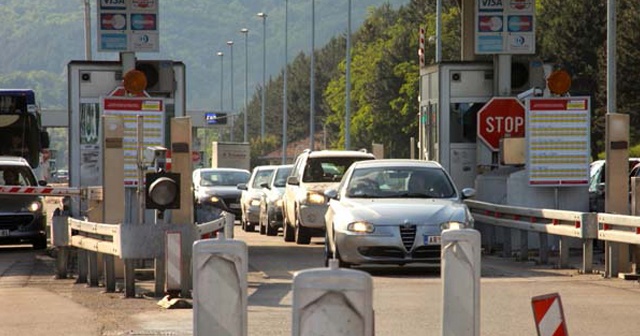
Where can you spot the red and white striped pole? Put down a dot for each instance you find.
(421, 48)
(549, 316)
(44, 191)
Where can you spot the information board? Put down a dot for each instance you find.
(128, 25)
(505, 27)
(558, 141)
(152, 112)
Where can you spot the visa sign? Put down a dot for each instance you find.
(490, 5)
(112, 4)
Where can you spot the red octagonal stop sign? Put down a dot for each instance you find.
(500, 117)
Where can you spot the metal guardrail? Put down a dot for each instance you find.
(128, 242)
(566, 224)
(619, 228)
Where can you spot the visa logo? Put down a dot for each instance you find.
(113, 2)
(493, 5)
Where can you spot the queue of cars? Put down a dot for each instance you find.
(387, 211)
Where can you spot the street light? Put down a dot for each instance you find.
(284, 93)
(312, 102)
(245, 31)
(347, 110)
(264, 68)
(221, 55)
(230, 44)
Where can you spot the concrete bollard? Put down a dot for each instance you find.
(220, 269)
(461, 282)
(332, 301)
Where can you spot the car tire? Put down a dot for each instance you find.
(250, 227)
(270, 230)
(326, 249)
(303, 237)
(288, 232)
(40, 243)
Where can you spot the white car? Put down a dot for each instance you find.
(303, 201)
(392, 212)
(251, 195)
(271, 202)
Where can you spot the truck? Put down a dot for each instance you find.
(231, 155)
(21, 131)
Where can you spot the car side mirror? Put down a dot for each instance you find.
(293, 180)
(468, 193)
(600, 188)
(243, 186)
(42, 183)
(331, 193)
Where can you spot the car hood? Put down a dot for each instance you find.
(16, 203)
(400, 211)
(231, 191)
(320, 187)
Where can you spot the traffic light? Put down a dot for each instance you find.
(162, 191)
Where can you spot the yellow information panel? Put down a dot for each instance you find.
(558, 141)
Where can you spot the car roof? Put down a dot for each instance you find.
(256, 168)
(13, 161)
(396, 162)
(334, 153)
(222, 169)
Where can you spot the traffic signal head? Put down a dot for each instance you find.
(162, 191)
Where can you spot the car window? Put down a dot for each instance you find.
(17, 176)
(223, 178)
(262, 176)
(386, 182)
(281, 177)
(327, 169)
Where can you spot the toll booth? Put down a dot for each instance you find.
(451, 94)
(91, 81)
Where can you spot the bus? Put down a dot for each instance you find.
(21, 131)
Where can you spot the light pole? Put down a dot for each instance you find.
(284, 93)
(264, 69)
(245, 31)
(312, 102)
(347, 110)
(230, 44)
(221, 55)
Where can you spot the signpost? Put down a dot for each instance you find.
(130, 25)
(505, 27)
(500, 117)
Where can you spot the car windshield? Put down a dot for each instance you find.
(262, 176)
(328, 169)
(17, 176)
(223, 178)
(281, 177)
(400, 182)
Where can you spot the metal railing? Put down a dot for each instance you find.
(586, 226)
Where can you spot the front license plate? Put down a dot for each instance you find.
(234, 206)
(431, 240)
(4, 233)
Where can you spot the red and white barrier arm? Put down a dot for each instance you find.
(44, 191)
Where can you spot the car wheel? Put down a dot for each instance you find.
(270, 230)
(288, 232)
(327, 253)
(303, 237)
(40, 243)
(250, 227)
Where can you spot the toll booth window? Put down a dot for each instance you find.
(463, 123)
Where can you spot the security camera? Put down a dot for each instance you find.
(154, 154)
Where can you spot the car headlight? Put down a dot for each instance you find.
(315, 198)
(361, 227)
(214, 199)
(255, 202)
(455, 225)
(279, 203)
(34, 206)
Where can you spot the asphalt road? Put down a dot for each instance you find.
(407, 300)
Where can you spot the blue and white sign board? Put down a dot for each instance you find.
(128, 25)
(505, 27)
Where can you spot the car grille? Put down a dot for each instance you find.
(12, 222)
(427, 253)
(382, 252)
(408, 235)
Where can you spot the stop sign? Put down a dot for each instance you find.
(195, 156)
(500, 117)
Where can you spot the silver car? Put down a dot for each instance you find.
(392, 212)
(251, 195)
(271, 201)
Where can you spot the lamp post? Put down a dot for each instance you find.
(347, 110)
(245, 31)
(312, 102)
(284, 93)
(221, 55)
(264, 69)
(232, 112)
